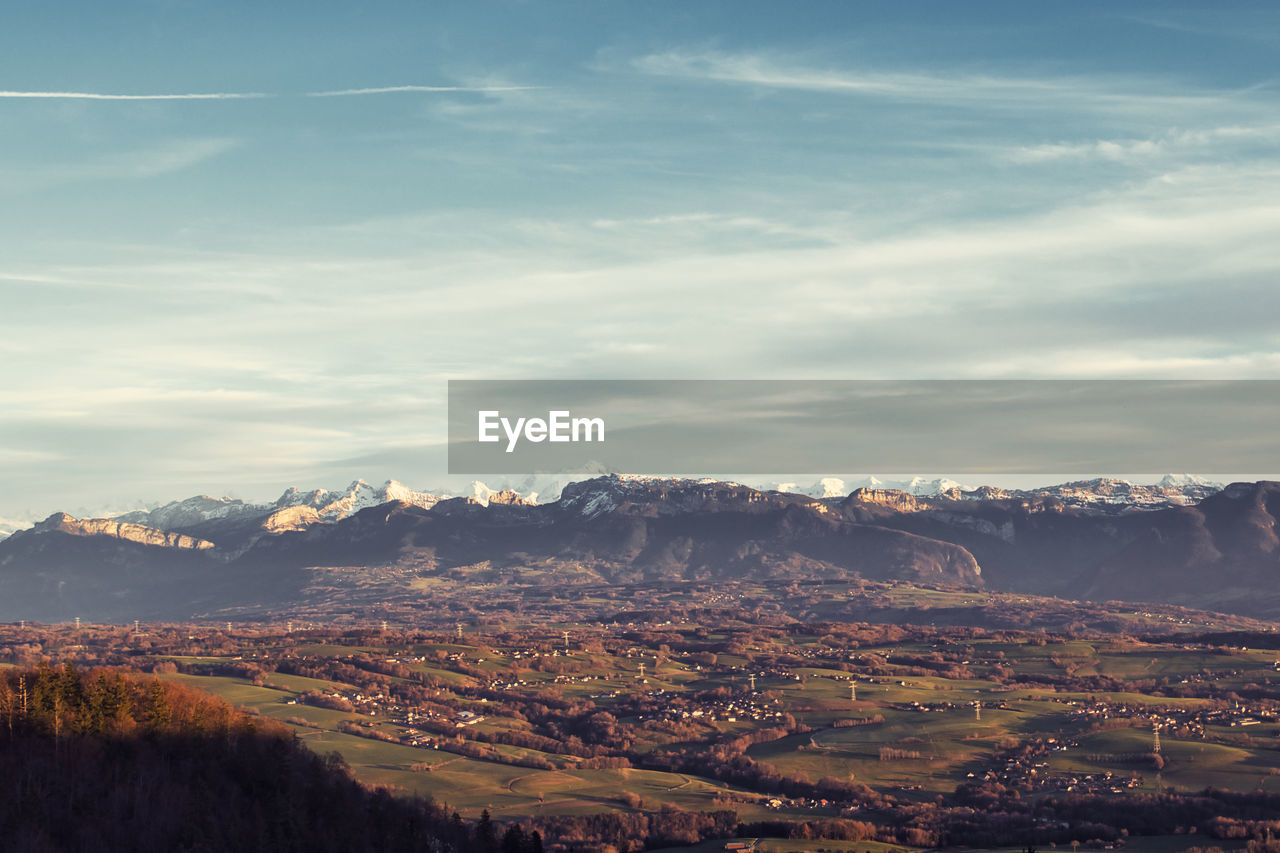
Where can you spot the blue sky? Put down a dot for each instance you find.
(233, 294)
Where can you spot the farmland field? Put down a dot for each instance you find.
(843, 737)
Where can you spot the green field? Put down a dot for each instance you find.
(913, 733)
(1191, 765)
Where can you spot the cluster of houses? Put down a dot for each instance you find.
(1027, 770)
(371, 704)
(731, 710)
(381, 705)
(1033, 776)
(1190, 722)
(939, 707)
(805, 804)
(498, 684)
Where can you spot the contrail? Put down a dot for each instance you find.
(384, 89)
(100, 96)
(229, 96)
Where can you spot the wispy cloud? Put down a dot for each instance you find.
(1127, 150)
(173, 157)
(382, 90)
(160, 158)
(1021, 91)
(9, 456)
(32, 278)
(1261, 28)
(103, 96)
(1171, 278)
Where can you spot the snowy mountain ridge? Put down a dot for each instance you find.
(329, 505)
(836, 487)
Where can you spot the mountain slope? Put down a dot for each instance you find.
(1096, 540)
(626, 529)
(1224, 550)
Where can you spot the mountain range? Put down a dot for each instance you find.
(1180, 541)
(334, 504)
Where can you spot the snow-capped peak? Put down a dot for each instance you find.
(480, 493)
(1178, 481)
(921, 487)
(828, 487)
(359, 495)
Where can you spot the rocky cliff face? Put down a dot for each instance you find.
(888, 499)
(108, 570)
(1100, 496)
(653, 496)
(63, 523)
(1110, 496)
(509, 498)
(290, 519)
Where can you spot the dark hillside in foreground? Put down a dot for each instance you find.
(109, 762)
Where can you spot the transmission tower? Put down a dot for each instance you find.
(1155, 738)
(752, 679)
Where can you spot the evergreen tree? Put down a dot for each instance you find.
(485, 835)
(513, 840)
(158, 711)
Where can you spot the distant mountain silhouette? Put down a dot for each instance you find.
(1220, 553)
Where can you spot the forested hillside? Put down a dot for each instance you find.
(103, 760)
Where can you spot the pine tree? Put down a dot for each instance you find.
(513, 840)
(485, 836)
(158, 711)
(8, 703)
(109, 695)
(69, 688)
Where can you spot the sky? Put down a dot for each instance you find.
(246, 245)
